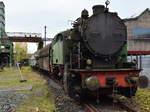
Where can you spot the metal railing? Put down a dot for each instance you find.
(23, 34)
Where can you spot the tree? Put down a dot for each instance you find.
(20, 51)
(40, 45)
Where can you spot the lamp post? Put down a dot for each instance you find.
(45, 27)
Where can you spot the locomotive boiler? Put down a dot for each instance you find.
(92, 56)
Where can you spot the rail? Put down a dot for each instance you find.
(91, 108)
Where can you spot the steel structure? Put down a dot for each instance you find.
(138, 28)
(24, 37)
(6, 47)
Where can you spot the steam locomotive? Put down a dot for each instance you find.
(91, 57)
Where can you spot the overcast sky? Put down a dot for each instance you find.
(33, 15)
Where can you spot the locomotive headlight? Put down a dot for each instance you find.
(92, 83)
(88, 61)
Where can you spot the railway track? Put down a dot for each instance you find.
(91, 107)
(119, 107)
(126, 107)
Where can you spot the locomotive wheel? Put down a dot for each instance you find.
(72, 86)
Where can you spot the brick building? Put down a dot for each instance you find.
(138, 29)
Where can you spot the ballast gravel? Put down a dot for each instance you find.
(62, 102)
(9, 100)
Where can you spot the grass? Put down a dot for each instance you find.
(42, 102)
(143, 99)
(40, 97)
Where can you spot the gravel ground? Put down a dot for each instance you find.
(62, 102)
(30, 96)
(10, 100)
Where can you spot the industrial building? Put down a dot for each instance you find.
(6, 47)
(138, 28)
